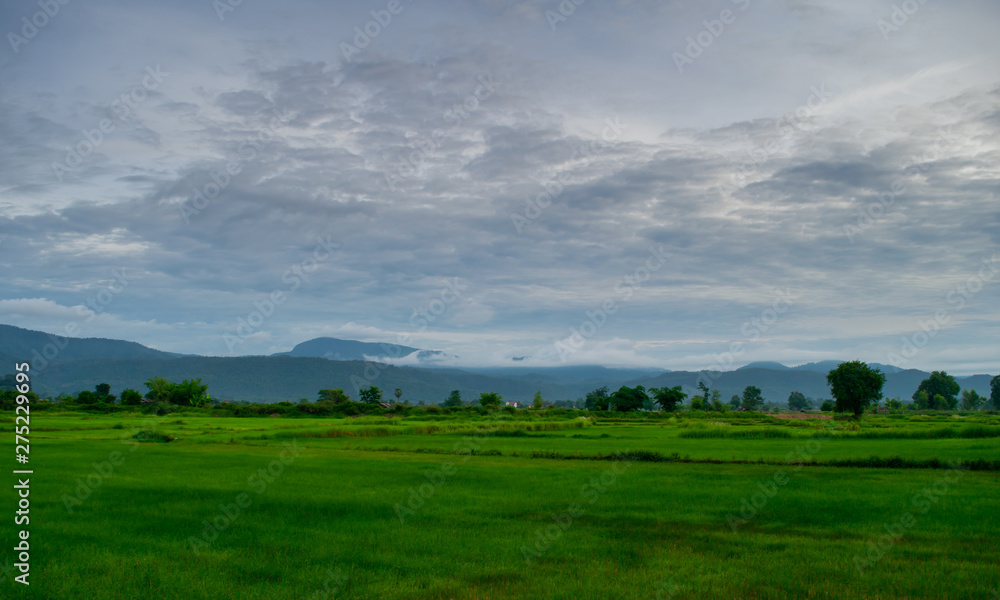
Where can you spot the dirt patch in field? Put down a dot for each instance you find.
(801, 416)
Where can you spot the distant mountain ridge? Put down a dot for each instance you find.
(40, 347)
(74, 364)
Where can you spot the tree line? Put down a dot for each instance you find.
(854, 386)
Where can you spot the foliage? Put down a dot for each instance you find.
(334, 396)
(995, 392)
(752, 398)
(668, 398)
(131, 397)
(190, 392)
(798, 401)
(734, 402)
(454, 399)
(490, 399)
(597, 399)
(537, 402)
(627, 399)
(854, 386)
(370, 395)
(827, 406)
(941, 384)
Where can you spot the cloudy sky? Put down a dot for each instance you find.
(520, 182)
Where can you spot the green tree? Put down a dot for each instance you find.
(87, 397)
(895, 405)
(734, 402)
(716, 403)
(398, 394)
(697, 402)
(971, 400)
(668, 398)
(454, 399)
(190, 392)
(370, 395)
(706, 394)
(131, 397)
(798, 401)
(941, 384)
(334, 396)
(159, 388)
(854, 385)
(490, 399)
(103, 390)
(597, 399)
(627, 399)
(995, 392)
(922, 399)
(752, 398)
(537, 402)
(827, 406)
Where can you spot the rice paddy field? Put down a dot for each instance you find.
(525, 505)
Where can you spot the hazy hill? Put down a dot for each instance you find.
(336, 349)
(25, 344)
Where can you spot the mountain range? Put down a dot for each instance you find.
(69, 365)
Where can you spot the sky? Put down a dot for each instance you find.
(511, 182)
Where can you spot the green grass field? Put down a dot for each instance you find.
(458, 507)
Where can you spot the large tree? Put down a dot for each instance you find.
(131, 397)
(854, 386)
(490, 399)
(627, 399)
(942, 384)
(752, 398)
(798, 401)
(454, 399)
(597, 399)
(370, 395)
(334, 396)
(668, 398)
(995, 392)
(971, 400)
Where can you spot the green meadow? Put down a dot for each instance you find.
(525, 505)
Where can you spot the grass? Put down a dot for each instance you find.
(328, 518)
